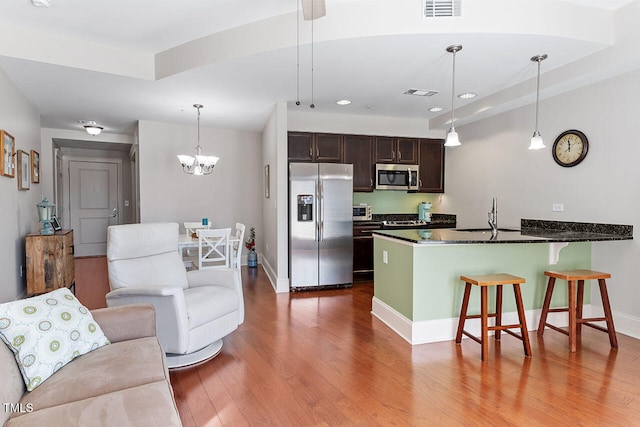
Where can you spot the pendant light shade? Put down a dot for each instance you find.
(452, 137)
(198, 164)
(536, 140)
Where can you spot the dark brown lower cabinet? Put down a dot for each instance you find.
(363, 252)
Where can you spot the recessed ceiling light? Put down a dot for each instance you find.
(420, 92)
(467, 95)
(436, 109)
(41, 3)
(343, 102)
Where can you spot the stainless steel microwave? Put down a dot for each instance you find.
(396, 177)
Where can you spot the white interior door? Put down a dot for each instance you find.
(93, 203)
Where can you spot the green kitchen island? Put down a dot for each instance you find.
(417, 287)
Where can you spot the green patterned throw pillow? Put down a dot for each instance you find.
(48, 331)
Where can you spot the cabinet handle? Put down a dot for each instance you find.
(310, 151)
(317, 152)
(399, 155)
(393, 155)
(371, 182)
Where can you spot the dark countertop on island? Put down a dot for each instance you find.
(531, 231)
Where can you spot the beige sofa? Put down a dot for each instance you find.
(125, 383)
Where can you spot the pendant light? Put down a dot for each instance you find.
(536, 139)
(198, 164)
(452, 137)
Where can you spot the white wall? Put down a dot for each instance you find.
(233, 193)
(274, 154)
(494, 161)
(18, 215)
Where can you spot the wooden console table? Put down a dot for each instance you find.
(50, 263)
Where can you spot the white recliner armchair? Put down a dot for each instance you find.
(194, 310)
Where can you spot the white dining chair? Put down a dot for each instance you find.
(237, 243)
(213, 248)
(189, 255)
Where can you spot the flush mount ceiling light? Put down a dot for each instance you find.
(198, 164)
(436, 109)
(41, 3)
(343, 102)
(91, 127)
(467, 95)
(536, 140)
(93, 130)
(452, 137)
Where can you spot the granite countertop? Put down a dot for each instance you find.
(531, 231)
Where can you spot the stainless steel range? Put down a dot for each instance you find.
(413, 223)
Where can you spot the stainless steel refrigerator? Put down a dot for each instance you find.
(320, 225)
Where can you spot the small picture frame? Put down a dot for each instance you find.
(24, 170)
(35, 167)
(267, 182)
(56, 224)
(7, 165)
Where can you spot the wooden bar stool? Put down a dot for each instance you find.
(484, 282)
(576, 297)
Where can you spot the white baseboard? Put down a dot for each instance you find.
(429, 331)
(279, 285)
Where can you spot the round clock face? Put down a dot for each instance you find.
(570, 148)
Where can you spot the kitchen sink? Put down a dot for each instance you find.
(476, 230)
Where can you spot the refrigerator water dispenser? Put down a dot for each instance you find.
(305, 207)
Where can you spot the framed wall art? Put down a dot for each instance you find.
(267, 182)
(35, 167)
(24, 170)
(7, 163)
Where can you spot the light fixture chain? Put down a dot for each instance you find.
(453, 88)
(538, 94)
(298, 54)
(312, 21)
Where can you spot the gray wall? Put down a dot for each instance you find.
(233, 193)
(18, 215)
(494, 161)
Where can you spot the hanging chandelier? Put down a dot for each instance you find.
(452, 137)
(198, 164)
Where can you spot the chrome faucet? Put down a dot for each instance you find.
(493, 217)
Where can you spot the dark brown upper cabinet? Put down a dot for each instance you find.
(431, 166)
(358, 150)
(396, 150)
(314, 147)
(363, 152)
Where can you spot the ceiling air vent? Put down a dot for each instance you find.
(420, 92)
(442, 8)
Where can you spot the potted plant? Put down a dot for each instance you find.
(250, 244)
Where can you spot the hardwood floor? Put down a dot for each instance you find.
(320, 358)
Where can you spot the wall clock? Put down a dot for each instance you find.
(570, 148)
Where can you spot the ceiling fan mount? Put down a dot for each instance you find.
(313, 9)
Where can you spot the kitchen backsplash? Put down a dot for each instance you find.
(390, 202)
